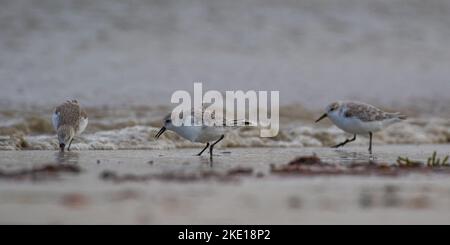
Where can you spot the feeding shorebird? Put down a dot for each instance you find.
(69, 120)
(201, 134)
(359, 118)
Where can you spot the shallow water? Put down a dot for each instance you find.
(224, 158)
(87, 198)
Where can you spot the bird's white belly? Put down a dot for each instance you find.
(356, 126)
(209, 134)
(198, 133)
(82, 126)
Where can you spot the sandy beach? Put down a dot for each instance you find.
(258, 197)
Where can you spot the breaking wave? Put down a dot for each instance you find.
(413, 131)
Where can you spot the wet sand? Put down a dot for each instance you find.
(255, 197)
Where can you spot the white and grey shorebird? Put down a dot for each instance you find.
(208, 133)
(69, 120)
(359, 118)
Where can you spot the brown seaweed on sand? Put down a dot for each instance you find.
(314, 166)
(46, 172)
(434, 161)
(230, 175)
(306, 160)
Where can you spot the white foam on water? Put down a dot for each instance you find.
(142, 137)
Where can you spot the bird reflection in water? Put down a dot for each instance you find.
(348, 157)
(67, 157)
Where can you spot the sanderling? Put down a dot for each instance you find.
(359, 118)
(200, 134)
(69, 120)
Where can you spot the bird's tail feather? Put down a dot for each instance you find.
(398, 115)
(237, 123)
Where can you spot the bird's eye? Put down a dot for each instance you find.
(168, 121)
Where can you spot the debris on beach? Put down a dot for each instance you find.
(46, 172)
(74, 200)
(306, 160)
(230, 175)
(433, 161)
(240, 172)
(125, 195)
(113, 176)
(407, 163)
(314, 166)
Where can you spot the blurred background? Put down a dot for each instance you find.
(137, 52)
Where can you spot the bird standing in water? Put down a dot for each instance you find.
(359, 118)
(208, 133)
(69, 120)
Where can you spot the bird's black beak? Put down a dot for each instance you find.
(322, 117)
(62, 146)
(163, 129)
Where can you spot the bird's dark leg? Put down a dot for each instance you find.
(206, 147)
(68, 149)
(345, 142)
(370, 143)
(212, 146)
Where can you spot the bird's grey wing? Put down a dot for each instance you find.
(210, 118)
(365, 112)
(69, 113)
